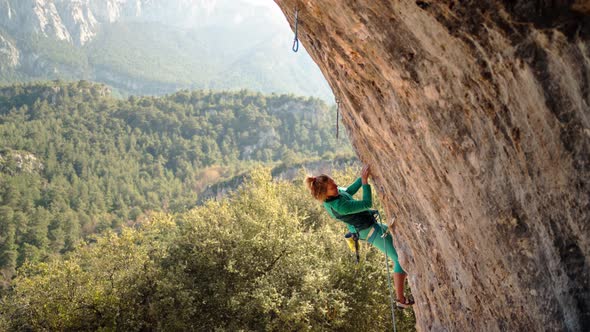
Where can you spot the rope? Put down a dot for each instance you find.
(296, 41)
(388, 277)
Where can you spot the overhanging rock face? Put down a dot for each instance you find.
(475, 117)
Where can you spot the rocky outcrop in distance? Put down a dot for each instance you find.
(33, 16)
(475, 117)
(12, 162)
(9, 54)
(76, 22)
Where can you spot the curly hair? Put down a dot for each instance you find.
(318, 186)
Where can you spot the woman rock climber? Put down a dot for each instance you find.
(359, 219)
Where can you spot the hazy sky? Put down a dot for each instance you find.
(268, 3)
(274, 8)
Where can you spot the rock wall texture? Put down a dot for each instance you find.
(475, 117)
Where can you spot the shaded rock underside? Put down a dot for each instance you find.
(475, 117)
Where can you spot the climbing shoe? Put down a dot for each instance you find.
(406, 304)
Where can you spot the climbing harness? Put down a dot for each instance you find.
(388, 275)
(361, 220)
(337, 115)
(296, 41)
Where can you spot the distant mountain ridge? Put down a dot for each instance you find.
(155, 46)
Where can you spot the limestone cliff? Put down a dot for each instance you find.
(33, 16)
(79, 19)
(113, 10)
(475, 117)
(74, 21)
(9, 54)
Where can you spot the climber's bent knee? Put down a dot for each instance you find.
(373, 235)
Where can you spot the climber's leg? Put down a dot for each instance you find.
(380, 243)
(385, 245)
(398, 280)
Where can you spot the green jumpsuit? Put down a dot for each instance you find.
(344, 204)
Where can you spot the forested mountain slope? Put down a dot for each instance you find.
(75, 161)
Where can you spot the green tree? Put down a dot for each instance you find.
(8, 246)
(263, 258)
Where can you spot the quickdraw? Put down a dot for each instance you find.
(296, 41)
